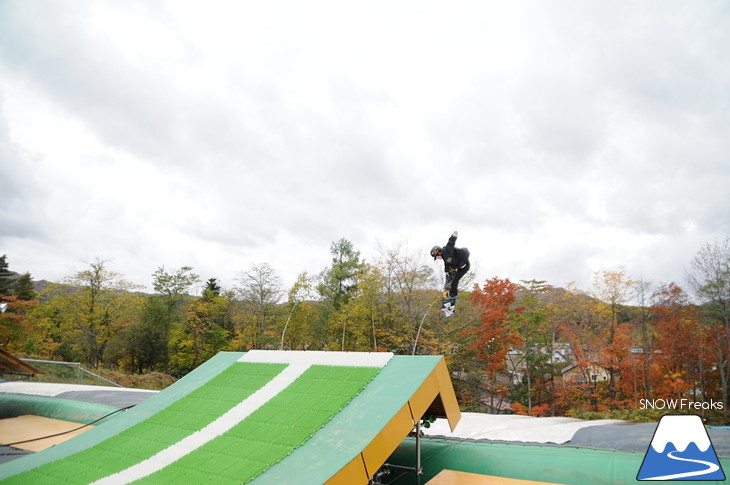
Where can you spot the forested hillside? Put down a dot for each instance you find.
(523, 346)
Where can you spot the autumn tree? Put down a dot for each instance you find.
(493, 336)
(407, 287)
(645, 336)
(300, 315)
(260, 291)
(16, 329)
(203, 335)
(93, 305)
(17, 297)
(613, 289)
(681, 364)
(577, 321)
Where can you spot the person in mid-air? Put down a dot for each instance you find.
(456, 264)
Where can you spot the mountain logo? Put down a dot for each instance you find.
(680, 450)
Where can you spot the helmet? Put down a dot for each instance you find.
(436, 251)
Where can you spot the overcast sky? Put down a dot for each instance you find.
(559, 137)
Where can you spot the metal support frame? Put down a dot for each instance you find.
(418, 469)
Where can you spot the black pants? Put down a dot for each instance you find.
(452, 280)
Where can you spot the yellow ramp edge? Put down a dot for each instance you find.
(435, 396)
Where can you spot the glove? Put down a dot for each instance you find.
(455, 234)
(453, 270)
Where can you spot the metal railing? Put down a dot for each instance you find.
(76, 368)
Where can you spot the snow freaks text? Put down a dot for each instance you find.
(680, 404)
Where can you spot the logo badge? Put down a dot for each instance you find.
(680, 450)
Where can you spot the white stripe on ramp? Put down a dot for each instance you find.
(298, 362)
(189, 444)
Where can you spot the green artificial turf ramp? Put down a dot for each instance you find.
(164, 428)
(350, 431)
(271, 432)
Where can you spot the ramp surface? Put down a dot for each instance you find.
(258, 417)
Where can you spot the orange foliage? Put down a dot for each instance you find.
(541, 410)
(492, 338)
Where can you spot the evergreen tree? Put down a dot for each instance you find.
(6, 280)
(211, 290)
(24, 287)
(338, 282)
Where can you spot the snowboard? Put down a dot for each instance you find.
(448, 305)
(448, 302)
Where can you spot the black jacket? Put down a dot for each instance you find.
(454, 258)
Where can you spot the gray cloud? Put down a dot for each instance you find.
(557, 137)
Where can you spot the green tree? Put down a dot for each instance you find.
(369, 308)
(174, 290)
(24, 287)
(146, 346)
(534, 358)
(355, 320)
(6, 277)
(174, 287)
(212, 289)
(338, 282)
